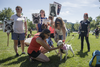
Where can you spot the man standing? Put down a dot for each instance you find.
(18, 27)
(84, 29)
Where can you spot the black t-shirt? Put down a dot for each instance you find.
(97, 30)
(84, 25)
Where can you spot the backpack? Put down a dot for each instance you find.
(95, 60)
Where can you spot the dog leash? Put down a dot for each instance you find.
(71, 39)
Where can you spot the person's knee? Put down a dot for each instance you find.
(47, 60)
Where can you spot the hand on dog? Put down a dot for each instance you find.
(60, 46)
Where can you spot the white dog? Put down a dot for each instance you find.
(64, 49)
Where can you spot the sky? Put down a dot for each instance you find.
(71, 10)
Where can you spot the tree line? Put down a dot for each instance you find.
(6, 13)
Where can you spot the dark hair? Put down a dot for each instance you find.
(28, 35)
(45, 31)
(43, 11)
(51, 17)
(58, 19)
(19, 7)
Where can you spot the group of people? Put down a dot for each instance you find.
(42, 39)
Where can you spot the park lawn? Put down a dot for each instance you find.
(81, 59)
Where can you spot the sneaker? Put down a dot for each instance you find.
(81, 50)
(23, 53)
(17, 55)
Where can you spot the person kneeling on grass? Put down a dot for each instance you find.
(36, 43)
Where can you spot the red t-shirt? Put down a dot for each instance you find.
(34, 46)
(51, 30)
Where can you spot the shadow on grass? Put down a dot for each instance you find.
(20, 59)
(24, 60)
(7, 59)
(82, 54)
(54, 62)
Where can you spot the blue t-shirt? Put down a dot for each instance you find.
(40, 24)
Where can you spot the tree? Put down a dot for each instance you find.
(76, 26)
(97, 20)
(92, 25)
(6, 14)
(69, 26)
(30, 24)
(90, 19)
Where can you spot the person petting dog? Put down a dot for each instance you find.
(84, 29)
(36, 43)
(19, 33)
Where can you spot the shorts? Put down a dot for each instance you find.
(60, 37)
(34, 54)
(18, 36)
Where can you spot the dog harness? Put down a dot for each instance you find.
(64, 47)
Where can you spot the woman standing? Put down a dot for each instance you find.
(60, 29)
(40, 25)
(19, 33)
(36, 43)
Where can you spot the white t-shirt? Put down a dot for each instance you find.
(18, 26)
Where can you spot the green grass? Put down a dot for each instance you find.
(8, 59)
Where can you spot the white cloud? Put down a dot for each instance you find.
(80, 3)
(64, 13)
(69, 4)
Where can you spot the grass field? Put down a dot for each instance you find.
(81, 59)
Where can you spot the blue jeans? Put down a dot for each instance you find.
(49, 41)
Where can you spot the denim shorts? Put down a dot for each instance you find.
(61, 36)
(18, 36)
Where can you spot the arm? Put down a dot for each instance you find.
(64, 32)
(88, 30)
(25, 28)
(79, 28)
(40, 41)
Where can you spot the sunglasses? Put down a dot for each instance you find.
(58, 23)
(18, 9)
